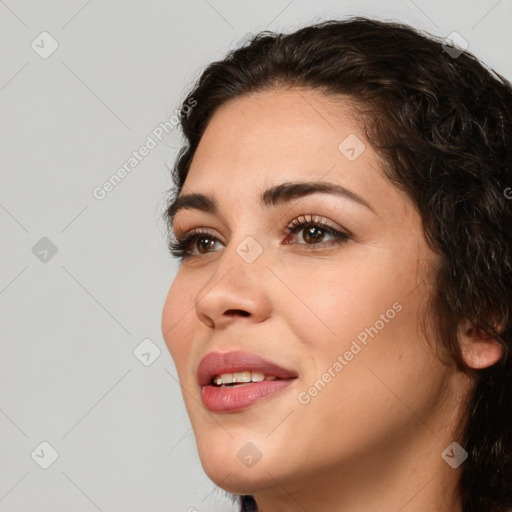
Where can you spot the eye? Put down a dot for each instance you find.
(203, 241)
(313, 231)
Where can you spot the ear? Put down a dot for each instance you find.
(479, 349)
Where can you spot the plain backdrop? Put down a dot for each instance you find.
(91, 415)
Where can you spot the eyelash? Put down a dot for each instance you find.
(179, 246)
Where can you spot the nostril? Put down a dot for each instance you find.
(240, 312)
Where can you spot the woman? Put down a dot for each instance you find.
(341, 317)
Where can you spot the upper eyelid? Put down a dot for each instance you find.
(180, 233)
(314, 218)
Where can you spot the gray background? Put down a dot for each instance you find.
(71, 321)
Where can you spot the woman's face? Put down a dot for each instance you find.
(359, 387)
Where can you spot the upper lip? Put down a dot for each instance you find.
(217, 363)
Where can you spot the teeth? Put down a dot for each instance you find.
(227, 378)
(257, 376)
(241, 377)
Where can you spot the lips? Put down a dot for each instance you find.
(223, 399)
(218, 363)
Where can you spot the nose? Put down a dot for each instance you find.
(235, 292)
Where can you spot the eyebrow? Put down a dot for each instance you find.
(274, 196)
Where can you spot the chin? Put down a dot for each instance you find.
(237, 465)
(237, 479)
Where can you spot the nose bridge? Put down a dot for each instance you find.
(236, 288)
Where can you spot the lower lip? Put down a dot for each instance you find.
(220, 399)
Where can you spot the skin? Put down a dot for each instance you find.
(372, 438)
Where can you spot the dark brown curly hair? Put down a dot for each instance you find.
(442, 124)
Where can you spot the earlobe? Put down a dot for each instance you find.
(479, 349)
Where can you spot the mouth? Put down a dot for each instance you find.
(234, 381)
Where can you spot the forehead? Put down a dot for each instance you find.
(265, 138)
(263, 125)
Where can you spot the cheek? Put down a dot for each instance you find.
(341, 300)
(378, 367)
(370, 316)
(177, 317)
